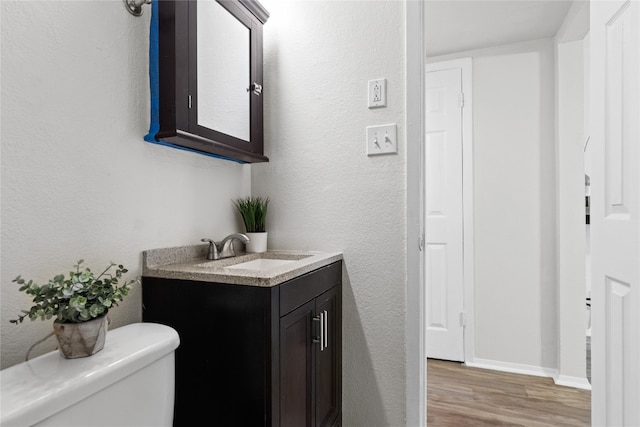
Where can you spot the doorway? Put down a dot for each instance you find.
(415, 406)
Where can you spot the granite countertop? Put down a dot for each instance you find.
(191, 263)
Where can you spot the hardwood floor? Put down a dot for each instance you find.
(460, 396)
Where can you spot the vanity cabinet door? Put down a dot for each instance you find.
(327, 363)
(310, 386)
(296, 367)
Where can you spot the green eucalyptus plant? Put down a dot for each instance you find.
(254, 212)
(80, 297)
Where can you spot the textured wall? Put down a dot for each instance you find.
(327, 194)
(78, 181)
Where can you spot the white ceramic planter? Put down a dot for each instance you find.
(257, 242)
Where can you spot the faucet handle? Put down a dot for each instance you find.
(227, 249)
(213, 249)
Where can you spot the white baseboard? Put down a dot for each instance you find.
(514, 368)
(575, 382)
(537, 371)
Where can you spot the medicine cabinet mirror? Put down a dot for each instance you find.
(209, 56)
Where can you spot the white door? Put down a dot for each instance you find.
(615, 212)
(444, 216)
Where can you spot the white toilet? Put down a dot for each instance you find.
(129, 383)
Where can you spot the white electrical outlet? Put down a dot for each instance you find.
(377, 93)
(382, 140)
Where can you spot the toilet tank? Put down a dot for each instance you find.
(129, 383)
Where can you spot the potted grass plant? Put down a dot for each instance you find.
(80, 303)
(254, 214)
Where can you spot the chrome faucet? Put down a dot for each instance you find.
(224, 249)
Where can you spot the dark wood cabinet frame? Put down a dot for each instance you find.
(178, 82)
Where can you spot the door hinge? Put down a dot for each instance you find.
(463, 320)
(421, 242)
(189, 101)
(461, 100)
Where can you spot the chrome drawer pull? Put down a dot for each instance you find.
(323, 322)
(326, 329)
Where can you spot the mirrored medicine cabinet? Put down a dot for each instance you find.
(209, 64)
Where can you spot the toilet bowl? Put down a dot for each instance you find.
(129, 383)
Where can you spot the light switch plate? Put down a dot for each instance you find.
(382, 140)
(377, 93)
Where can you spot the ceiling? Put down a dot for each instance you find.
(461, 25)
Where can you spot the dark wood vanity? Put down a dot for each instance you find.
(254, 355)
(208, 62)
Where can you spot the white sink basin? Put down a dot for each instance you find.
(260, 264)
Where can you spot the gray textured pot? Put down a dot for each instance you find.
(81, 339)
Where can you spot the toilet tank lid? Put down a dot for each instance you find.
(46, 384)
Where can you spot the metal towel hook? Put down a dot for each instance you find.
(135, 6)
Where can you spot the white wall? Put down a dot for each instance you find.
(327, 194)
(571, 99)
(514, 197)
(78, 181)
(571, 214)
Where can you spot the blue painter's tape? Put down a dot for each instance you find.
(154, 86)
(154, 74)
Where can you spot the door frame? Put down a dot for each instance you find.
(466, 67)
(415, 359)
